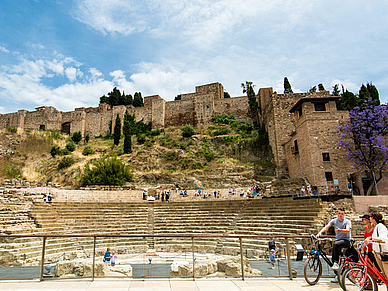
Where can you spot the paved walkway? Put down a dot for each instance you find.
(262, 284)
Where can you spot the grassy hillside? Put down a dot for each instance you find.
(216, 156)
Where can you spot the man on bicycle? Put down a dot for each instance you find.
(343, 228)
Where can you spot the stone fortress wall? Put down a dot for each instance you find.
(314, 132)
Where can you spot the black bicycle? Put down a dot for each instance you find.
(313, 265)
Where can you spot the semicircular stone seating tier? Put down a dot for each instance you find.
(272, 216)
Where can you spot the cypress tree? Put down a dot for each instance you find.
(127, 134)
(287, 86)
(117, 131)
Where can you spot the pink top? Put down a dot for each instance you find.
(368, 234)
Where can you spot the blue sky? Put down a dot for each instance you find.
(68, 53)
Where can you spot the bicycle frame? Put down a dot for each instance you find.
(367, 266)
(318, 250)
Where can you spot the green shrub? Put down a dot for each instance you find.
(55, 151)
(220, 131)
(106, 172)
(148, 143)
(155, 132)
(70, 146)
(65, 163)
(187, 130)
(141, 139)
(241, 126)
(65, 152)
(87, 151)
(87, 138)
(207, 152)
(12, 129)
(182, 145)
(224, 118)
(76, 137)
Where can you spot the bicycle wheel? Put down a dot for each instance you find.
(340, 272)
(353, 279)
(312, 270)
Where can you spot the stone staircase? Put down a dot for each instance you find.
(271, 216)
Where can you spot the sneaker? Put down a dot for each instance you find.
(335, 266)
(273, 268)
(335, 280)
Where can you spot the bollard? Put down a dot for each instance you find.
(288, 258)
(242, 260)
(94, 256)
(192, 247)
(42, 261)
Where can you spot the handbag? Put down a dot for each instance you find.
(384, 257)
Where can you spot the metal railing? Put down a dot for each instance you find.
(193, 237)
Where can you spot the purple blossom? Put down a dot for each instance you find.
(364, 138)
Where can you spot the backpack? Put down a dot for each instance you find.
(271, 244)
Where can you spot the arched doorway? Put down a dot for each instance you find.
(65, 128)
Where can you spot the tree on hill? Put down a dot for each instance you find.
(336, 91)
(321, 87)
(287, 86)
(117, 131)
(350, 100)
(128, 121)
(115, 98)
(368, 92)
(138, 100)
(313, 89)
(253, 109)
(364, 139)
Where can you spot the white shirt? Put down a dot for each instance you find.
(383, 235)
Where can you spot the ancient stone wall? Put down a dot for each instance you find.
(312, 149)
(238, 106)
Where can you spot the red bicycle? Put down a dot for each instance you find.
(362, 275)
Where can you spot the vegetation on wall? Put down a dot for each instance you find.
(109, 171)
(115, 98)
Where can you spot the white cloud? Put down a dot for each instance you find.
(3, 49)
(71, 73)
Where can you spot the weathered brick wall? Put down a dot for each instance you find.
(238, 106)
(216, 89)
(180, 113)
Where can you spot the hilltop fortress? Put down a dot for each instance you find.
(302, 127)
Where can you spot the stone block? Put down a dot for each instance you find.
(80, 268)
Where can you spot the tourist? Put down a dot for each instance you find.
(242, 193)
(199, 192)
(308, 189)
(343, 228)
(380, 239)
(168, 196)
(107, 256)
(113, 259)
(162, 196)
(215, 193)
(144, 194)
(272, 257)
(181, 193)
(185, 193)
(234, 191)
(254, 191)
(368, 233)
(303, 190)
(177, 188)
(337, 188)
(218, 194)
(350, 186)
(230, 191)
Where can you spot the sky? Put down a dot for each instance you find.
(68, 53)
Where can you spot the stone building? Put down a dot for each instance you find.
(302, 127)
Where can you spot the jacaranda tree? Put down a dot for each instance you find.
(364, 139)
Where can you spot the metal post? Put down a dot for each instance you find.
(242, 259)
(94, 256)
(42, 261)
(288, 258)
(192, 248)
(144, 253)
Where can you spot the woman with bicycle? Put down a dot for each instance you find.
(379, 241)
